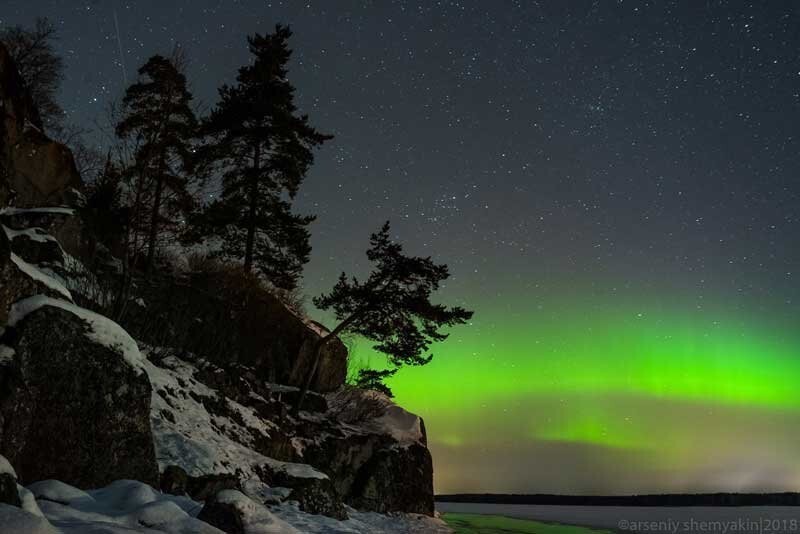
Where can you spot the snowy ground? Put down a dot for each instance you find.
(127, 506)
(661, 520)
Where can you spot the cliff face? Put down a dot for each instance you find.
(197, 382)
(37, 171)
(260, 331)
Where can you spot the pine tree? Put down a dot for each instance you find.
(391, 307)
(263, 149)
(157, 113)
(374, 379)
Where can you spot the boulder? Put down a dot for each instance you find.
(314, 494)
(173, 480)
(8, 490)
(60, 223)
(36, 246)
(223, 515)
(8, 484)
(235, 513)
(378, 487)
(206, 486)
(43, 172)
(72, 408)
(16, 283)
(372, 471)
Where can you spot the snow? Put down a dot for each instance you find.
(194, 440)
(123, 494)
(15, 520)
(56, 210)
(123, 506)
(6, 354)
(102, 330)
(257, 519)
(34, 234)
(6, 468)
(296, 470)
(56, 491)
(395, 421)
(128, 506)
(28, 500)
(38, 275)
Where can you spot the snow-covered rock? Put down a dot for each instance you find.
(39, 276)
(78, 403)
(6, 468)
(235, 513)
(21, 280)
(122, 506)
(8, 484)
(203, 432)
(14, 519)
(57, 491)
(101, 330)
(127, 506)
(244, 431)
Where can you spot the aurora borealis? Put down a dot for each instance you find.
(622, 403)
(615, 186)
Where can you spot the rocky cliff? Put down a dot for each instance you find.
(37, 171)
(260, 331)
(189, 394)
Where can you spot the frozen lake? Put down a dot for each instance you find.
(661, 520)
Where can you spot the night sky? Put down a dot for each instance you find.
(615, 186)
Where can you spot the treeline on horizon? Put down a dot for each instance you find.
(666, 499)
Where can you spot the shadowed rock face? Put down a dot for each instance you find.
(373, 471)
(8, 490)
(225, 516)
(315, 495)
(72, 409)
(222, 324)
(34, 170)
(16, 107)
(378, 486)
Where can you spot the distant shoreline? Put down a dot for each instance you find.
(679, 499)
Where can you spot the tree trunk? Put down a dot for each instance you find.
(317, 354)
(151, 250)
(251, 216)
(135, 220)
(310, 376)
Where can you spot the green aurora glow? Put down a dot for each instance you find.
(653, 393)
